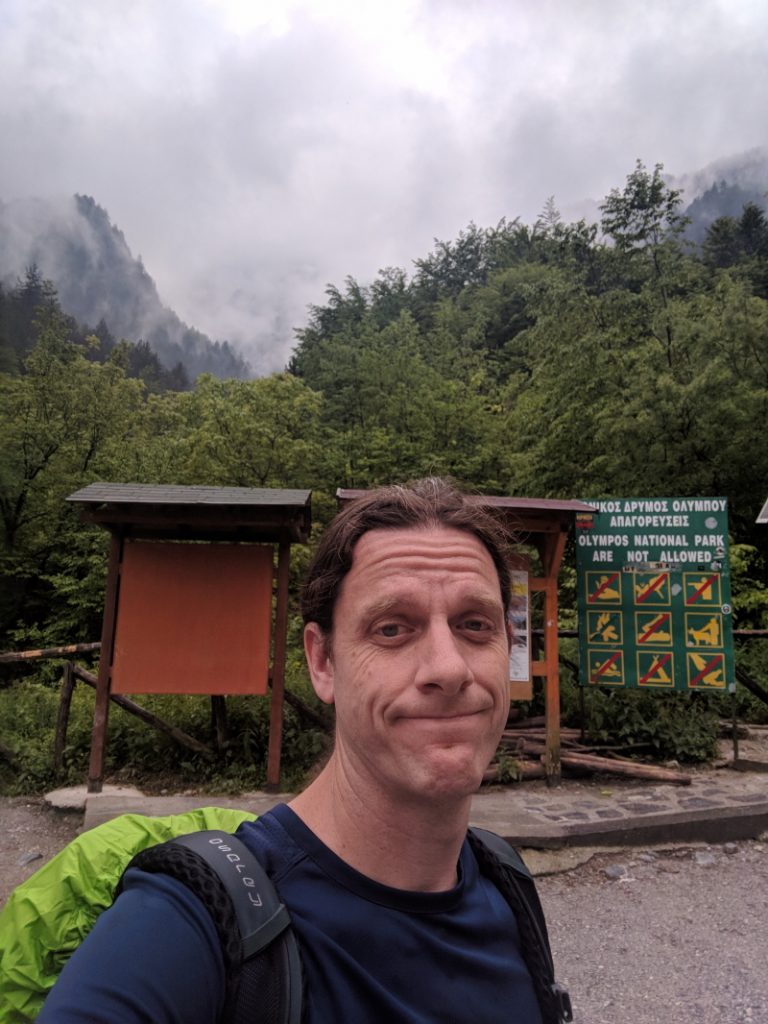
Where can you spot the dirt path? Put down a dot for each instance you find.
(28, 826)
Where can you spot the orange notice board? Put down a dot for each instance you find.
(193, 618)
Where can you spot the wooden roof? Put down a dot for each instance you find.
(531, 515)
(197, 512)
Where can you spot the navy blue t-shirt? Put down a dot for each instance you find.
(370, 953)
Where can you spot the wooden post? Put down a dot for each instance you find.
(551, 685)
(219, 721)
(278, 669)
(62, 721)
(552, 554)
(146, 716)
(101, 707)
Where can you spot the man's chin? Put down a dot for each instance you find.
(453, 771)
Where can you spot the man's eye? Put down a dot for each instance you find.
(475, 625)
(389, 629)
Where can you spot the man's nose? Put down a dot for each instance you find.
(443, 664)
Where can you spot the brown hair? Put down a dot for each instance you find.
(431, 502)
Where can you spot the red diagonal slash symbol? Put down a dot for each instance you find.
(717, 660)
(651, 587)
(701, 589)
(657, 666)
(603, 586)
(605, 666)
(656, 624)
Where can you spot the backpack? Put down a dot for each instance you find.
(503, 865)
(47, 917)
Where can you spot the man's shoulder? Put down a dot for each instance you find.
(506, 853)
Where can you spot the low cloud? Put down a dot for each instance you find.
(251, 155)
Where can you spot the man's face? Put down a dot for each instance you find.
(418, 663)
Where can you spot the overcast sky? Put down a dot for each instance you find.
(253, 151)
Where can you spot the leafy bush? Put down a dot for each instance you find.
(139, 754)
(675, 726)
(669, 726)
(678, 726)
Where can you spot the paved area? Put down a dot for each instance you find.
(719, 805)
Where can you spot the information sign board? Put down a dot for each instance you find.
(654, 594)
(519, 619)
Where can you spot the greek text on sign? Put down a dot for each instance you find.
(654, 593)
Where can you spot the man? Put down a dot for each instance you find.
(405, 633)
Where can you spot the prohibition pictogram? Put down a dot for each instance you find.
(706, 671)
(655, 668)
(703, 629)
(603, 588)
(702, 588)
(653, 628)
(651, 588)
(606, 667)
(604, 627)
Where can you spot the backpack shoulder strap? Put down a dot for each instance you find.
(503, 865)
(260, 951)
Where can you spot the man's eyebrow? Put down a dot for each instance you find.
(483, 602)
(469, 602)
(385, 605)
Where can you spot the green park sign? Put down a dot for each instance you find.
(654, 594)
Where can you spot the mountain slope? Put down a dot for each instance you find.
(75, 245)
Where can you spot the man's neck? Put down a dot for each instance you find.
(412, 846)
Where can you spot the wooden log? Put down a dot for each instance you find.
(585, 761)
(570, 734)
(307, 712)
(630, 768)
(9, 657)
(146, 716)
(515, 730)
(532, 747)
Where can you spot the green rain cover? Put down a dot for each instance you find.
(48, 916)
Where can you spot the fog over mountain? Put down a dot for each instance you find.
(71, 241)
(74, 244)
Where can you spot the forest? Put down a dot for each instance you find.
(546, 360)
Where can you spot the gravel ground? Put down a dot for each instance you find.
(29, 828)
(680, 935)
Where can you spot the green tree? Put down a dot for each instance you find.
(64, 423)
(257, 433)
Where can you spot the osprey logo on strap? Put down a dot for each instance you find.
(261, 954)
(237, 862)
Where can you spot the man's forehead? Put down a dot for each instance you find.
(437, 550)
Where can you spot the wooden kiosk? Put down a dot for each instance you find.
(189, 601)
(542, 524)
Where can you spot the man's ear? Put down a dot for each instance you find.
(317, 648)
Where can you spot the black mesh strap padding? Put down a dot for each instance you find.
(502, 865)
(260, 953)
